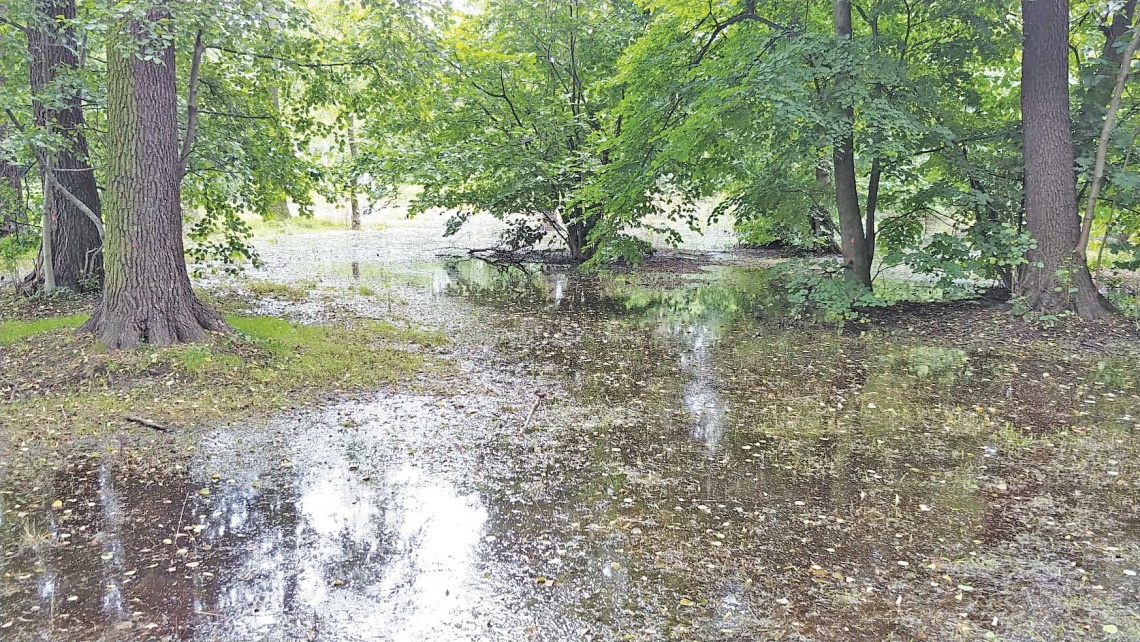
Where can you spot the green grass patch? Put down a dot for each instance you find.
(12, 331)
(266, 365)
(262, 227)
(293, 292)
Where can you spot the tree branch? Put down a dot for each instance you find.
(749, 13)
(366, 62)
(191, 107)
(49, 176)
(1102, 147)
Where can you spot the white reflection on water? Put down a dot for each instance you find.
(701, 397)
(391, 555)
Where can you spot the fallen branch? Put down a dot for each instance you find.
(530, 415)
(148, 423)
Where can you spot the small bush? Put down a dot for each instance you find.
(821, 287)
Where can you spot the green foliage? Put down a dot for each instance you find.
(515, 121)
(600, 118)
(820, 287)
(987, 251)
(16, 250)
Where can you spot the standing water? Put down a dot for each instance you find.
(646, 455)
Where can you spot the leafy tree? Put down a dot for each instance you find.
(56, 135)
(147, 295)
(516, 122)
(744, 102)
(248, 121)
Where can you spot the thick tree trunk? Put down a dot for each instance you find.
(75, 242)
(147, 295)
(1057, 277)
(857, 253)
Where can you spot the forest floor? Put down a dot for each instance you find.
(398, 445)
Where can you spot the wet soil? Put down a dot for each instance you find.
(645, 455)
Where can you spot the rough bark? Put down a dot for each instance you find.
(13, 215)
(53, 49)
(147, 295)
(1057, 278)
(856, 252)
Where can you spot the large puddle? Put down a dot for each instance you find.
(647, 456)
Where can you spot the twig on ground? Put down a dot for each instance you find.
(148, 423)
(530, 415)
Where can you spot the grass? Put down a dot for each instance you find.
(12, 331)
(263, 227)
(67, 385)
(292, 292)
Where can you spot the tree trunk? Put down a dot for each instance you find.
(13, 216)
(856, 253)
(278, 209)
(147, 296)
(578, 228)
(74, 241)
(355, 222)
(1057, 277)
(1094, 101)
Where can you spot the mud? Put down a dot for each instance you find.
(648, 455)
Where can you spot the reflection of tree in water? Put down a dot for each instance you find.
(529, 286)
(119, 545)
(312, 527)
(392, 551)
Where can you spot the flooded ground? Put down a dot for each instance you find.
(639, 456)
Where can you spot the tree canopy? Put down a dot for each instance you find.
(888, 130)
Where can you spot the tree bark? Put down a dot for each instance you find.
(13, 216)
(857, 254)
(578, 228)
(75, 244)
(147, 295)
(355, 203)
(1057, 278)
